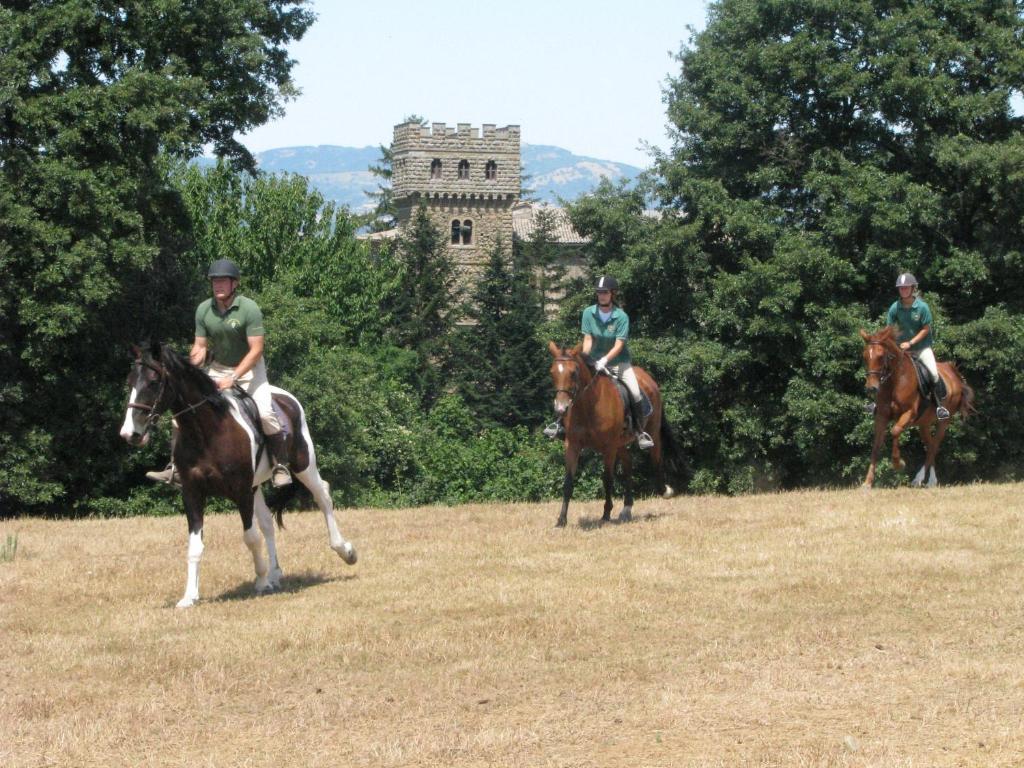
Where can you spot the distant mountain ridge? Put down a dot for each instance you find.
(340, 173)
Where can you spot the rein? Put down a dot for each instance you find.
(154, 414)
(575, 392)
(885, 372)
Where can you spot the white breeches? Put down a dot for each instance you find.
(927, 356)
(625, 372)
(255, 383)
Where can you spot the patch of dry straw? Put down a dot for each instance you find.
(803, 629)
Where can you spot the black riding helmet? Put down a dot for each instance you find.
(224, 268)
(606, 283)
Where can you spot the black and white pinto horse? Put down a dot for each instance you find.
(216, 454)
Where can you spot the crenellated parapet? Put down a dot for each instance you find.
(462, 161)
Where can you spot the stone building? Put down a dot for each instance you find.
(468, 178)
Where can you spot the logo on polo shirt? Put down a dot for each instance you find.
(233, 324)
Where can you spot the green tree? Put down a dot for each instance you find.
(96, 96)
(820, 148)
(500, 366)
(425, 306)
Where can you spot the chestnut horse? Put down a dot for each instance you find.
(892, 381)
(593, 415)
(217, 454)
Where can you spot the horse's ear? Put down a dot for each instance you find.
(554, 349)
(135, 351)
(864, 335)
(576, 350)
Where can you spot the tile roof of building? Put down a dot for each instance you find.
(524, 222)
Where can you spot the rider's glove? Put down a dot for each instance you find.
(601, 364)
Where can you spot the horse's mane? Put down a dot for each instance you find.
(180, 370)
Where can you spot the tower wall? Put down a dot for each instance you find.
(417, 151)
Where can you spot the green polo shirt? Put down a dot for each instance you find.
(605, 333)
(228, 333)
(910, 320)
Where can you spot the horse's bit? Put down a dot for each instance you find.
(153, 414)
(885, 372)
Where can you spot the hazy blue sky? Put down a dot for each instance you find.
(586, 75)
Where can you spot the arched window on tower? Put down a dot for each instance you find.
(435, 169)
(491, 170)
(463, 169)
(456, 231)
(467, 232)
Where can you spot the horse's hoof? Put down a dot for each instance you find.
(187, 602)
(626, 515)
(347, 553)
(561, 523)
(669, 492)
(866, 488)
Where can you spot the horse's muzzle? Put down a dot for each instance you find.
(561, 408)
(137, 439)
(871, 390)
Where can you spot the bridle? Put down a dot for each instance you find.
(885, 372)
(575, 392)
(153, 411)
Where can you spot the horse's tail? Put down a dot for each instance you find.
(967, 408)
(279, 498)
(671, 451)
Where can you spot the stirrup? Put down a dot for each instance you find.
(554, 430)
(168, 475)
(644, 441)
(280, 477)
(941, 412)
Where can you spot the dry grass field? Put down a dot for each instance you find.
(804, 629)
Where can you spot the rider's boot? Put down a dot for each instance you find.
(168, 474)
(939, 396)
(278, 450)
(555, 429)
(643, 440)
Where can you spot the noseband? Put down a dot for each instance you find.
(885, 372)
(153, 415)
(575, 391)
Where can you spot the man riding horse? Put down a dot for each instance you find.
(230, 337)
(913, 318)
(605, 329)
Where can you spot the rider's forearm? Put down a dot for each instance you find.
(251, 358)
(920, 335)
(614, 351)
(588, 342)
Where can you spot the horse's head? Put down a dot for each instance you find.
(880, 349)
(569, 375)
(148, 394)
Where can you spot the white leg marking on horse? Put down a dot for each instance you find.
(933, 479)
(254, 541)
(266, 522)
(918, 478)
(195, 554)
(669, 492)
(321, 492)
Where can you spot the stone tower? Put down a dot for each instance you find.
(469, 182)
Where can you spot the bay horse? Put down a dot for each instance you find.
(593, 415)
(893, 383)
(217, 454)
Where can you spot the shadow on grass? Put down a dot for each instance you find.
(290, 584)
(596, 523)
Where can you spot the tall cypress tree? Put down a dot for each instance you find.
(499, 365)
(426, 305)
